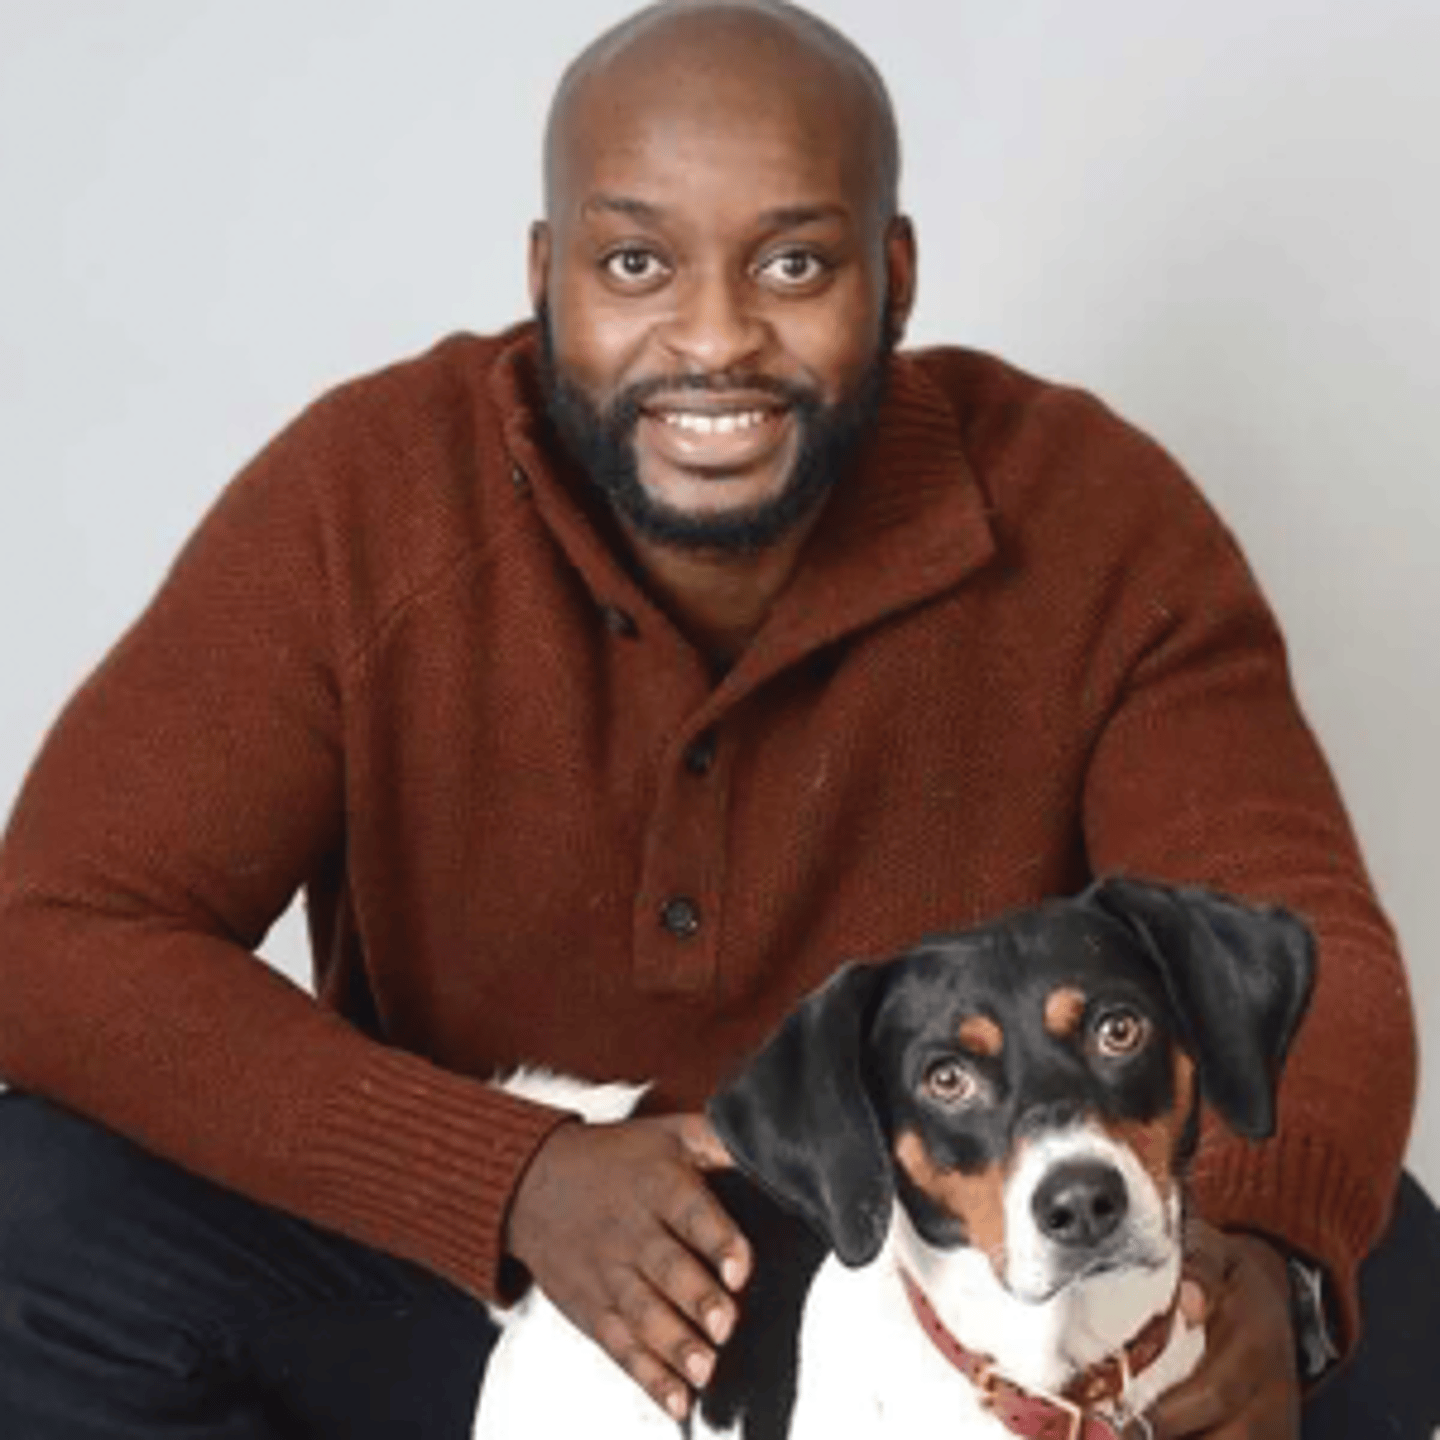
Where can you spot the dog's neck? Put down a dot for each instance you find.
(1045, 1345)
(1106, 1389)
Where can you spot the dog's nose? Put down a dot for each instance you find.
(1080, 1203)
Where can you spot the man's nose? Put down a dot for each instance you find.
(715, 327)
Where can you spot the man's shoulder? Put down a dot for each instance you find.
(429, 428)
(1038, 444)
(399, 476)
(446, 384)
(992, 397)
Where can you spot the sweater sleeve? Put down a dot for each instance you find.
(189, 789)
(1207, 772)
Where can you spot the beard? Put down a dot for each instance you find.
(602, 443)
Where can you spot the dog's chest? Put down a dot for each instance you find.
(867, 1371)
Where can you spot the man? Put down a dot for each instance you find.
(605, 684)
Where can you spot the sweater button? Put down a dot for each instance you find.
(619, 622)
(700, 753)
(519, 479)
(681, 917)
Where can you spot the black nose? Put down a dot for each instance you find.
(1081, 1203)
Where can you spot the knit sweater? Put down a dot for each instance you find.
(403, 666)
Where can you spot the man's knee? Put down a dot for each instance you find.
(60, 1173)
(67, 1185)
(81, 1305)
(123, 1274)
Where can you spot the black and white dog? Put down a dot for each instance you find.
(976, 1149)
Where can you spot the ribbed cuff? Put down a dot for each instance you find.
(1303, 1192)
(422, 1163)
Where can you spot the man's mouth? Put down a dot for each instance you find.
(716, 439)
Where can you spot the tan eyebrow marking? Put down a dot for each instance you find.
(1064, 1010)
(977, 1201)
(980, 1035)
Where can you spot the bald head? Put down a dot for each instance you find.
(728, 55)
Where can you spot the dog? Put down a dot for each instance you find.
(961, 1173)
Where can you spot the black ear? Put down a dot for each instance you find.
(1239, 977)
(798, 1118)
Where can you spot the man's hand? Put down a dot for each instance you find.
(1246, 1387)
(617, 1227)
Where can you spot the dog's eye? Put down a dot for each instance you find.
(1120, 1032)
(951, 1083)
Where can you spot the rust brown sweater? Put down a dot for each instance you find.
(399, 665)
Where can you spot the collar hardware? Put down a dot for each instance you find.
(1068, 1416)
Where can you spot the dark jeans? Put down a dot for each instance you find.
(137, 1300)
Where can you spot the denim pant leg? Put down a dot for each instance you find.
(1390, 1389)
(137, 1299)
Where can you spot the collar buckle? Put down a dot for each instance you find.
(986, 1380)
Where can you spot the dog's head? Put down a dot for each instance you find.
(1031, 1088)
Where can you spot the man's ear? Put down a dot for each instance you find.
(537, 262)
(798, 1118)
(1238, 976)
(901, 261)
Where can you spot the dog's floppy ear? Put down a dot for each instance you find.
(798, 1117)
(1239, 977)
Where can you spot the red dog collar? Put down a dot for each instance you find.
(1068, 1416)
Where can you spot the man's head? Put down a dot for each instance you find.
(722, 269)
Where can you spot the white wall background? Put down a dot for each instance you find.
(1223, 217)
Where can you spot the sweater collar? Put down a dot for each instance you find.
(908, 522)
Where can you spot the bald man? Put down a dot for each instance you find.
(604, 684)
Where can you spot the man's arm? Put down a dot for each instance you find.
(193, 783)
(1207, 772)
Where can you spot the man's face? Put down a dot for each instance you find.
(716, 290)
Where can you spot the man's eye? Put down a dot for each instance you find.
(951, 1083)
(1120, 1032)
(794, 268)
(634, 265)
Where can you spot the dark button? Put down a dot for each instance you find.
(681, 917)
(519, 479)
(619, 622)
(700, 753)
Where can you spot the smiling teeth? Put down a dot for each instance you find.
(714, 424)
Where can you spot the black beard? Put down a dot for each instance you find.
(602, 443)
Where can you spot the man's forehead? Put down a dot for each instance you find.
(659, 162)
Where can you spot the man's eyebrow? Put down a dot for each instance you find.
(781, 217)
(623, 205)
(792, 217)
